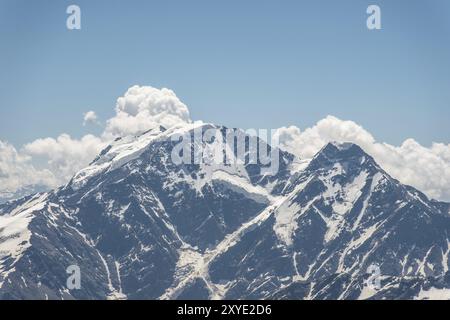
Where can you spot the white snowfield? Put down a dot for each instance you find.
(434, 294)
(14, 233)
(119, 152)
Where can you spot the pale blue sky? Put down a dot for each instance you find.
(261, 64)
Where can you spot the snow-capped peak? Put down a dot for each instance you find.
(124, 149)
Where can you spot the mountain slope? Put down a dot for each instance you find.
(343, 214)
(140, 226)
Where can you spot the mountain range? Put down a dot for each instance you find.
(139, 226)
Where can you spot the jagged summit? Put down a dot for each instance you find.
(337, 151)
(345, 153)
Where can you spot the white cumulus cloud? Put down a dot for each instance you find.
(427, 169)
(89, 117)
(143, 107)
(64, 156)
(17, 170)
